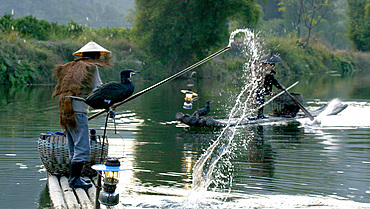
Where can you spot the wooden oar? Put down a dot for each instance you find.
(300, 106)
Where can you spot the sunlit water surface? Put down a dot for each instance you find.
(298, 164)
(284, 165)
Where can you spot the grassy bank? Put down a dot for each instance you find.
(29, 61)
(25, 60)
(317, 59)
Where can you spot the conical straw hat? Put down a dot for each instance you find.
(91, 47)
(270, 59)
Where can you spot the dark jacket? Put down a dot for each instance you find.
(269, 81)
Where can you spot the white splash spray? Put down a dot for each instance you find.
(250, 46)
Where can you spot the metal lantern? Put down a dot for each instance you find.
(110, 170)
(188, 104)
(191, 82)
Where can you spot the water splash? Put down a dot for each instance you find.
(333, 107)
(341, 114)
(204, 170)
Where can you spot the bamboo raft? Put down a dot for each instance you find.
(64, 197)
(53, 153)
(282, 116)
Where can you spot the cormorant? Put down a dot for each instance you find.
(107, 94)
(203, 111)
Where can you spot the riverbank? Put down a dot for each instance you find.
(30, 61)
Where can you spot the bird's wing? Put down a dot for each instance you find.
(116, 92)
(112, 91)
(98, 88)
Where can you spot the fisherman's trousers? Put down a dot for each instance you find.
(78, 139)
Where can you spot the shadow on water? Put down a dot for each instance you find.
(44, 201)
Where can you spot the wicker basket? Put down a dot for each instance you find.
(53, 152)
(284, 106)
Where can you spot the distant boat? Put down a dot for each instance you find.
(211, 122)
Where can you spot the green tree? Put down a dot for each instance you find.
(314, 13)
(93, 13)
(292, 12)
(359, 23)
(179, 32)
(6, 21)
(270, 9)
(308, 13)
(31, 26)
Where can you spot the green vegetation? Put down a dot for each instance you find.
(31, 48)
(318, 58)
(283, 17)
(168, 36)
(22, 63)
(178, 33)
(359, 23)
(89, 13)
(31, 28)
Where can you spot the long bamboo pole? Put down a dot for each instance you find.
(164, 81)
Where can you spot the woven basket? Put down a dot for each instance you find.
(53, 152)
(284, 106)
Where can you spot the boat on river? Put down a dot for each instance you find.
(333, 107)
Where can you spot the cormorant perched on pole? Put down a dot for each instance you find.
(107, 94)
(204, 111)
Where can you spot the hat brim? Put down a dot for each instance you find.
(271, 59)
(91, 47)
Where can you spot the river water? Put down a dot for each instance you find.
(279, 165)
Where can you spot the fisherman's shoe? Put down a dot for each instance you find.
(78, 183)
(85, 180)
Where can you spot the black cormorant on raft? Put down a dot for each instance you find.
(204, 111)
(197, 118)
(107, 94)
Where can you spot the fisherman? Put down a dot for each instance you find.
(78, 78)
(267, 70)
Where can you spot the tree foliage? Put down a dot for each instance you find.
(91, 13)
(183, 31)
(313, 14)
(359, 23)
(31, 27)
(270, 9)
(21, 64)
(308, 13)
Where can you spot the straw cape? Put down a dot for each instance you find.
(74, 78)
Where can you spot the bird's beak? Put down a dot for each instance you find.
(211, 101)
(135, 72)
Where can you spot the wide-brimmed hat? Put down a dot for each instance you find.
(270, 59)
(91, 47)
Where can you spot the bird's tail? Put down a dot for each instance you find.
(77, 98)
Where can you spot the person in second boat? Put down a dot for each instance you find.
(267, 65)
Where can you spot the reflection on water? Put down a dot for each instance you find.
(188, 162)
(282, 163)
